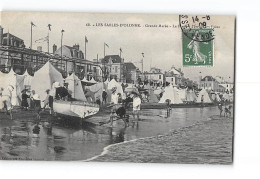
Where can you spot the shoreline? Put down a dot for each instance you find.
(119, 152)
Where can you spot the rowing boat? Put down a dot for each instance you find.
(79, 109)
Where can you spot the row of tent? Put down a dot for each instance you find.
(179, 96)
(45, 78)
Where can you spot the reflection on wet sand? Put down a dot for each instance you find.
(63, 139)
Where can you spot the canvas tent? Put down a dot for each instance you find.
(171, 94)
(97, 89)
(92, 81)
(191, 96)
(183, 94)
(75, 87)
(85, 80)
(27, 79)
(44, 78)
(113, 84)
(17, 81)
(106, 82)
(205, 96)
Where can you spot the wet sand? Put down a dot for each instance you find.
(207, 142)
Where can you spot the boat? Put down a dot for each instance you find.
(79, 109)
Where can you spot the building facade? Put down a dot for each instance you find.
(209, 83)
(131, 73)
(113, 68)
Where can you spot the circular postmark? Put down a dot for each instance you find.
(197, 27)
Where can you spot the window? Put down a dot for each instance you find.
(160, 77)
(172, 79)
(116, 69)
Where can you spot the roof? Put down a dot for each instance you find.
(11, 35)
(175, 71)
(115, 59)
(130, 66)
(208, 78)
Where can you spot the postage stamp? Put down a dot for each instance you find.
(197, 53)
(197, 40)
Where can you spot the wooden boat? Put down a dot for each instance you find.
(183, 105)
(80, 109)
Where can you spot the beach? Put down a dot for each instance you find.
(206, 142)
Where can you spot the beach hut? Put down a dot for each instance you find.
(75, 87)
(85, 80)
(206, 97)
(171, 94)
(44, 78)
(17, 81)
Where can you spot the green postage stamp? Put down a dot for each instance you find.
(197, 49)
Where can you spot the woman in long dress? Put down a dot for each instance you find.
(195, 46)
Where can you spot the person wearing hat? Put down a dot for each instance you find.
(6, 100)
(24, 103)
(136, 105)
(37, 105)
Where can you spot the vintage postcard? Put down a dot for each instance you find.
(109, 87)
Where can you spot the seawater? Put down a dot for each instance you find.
(24, 139)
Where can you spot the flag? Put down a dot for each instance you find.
(86, 40)
(44, 39)
(106, 45)
(32, 24)
(62, 31)
(49, 25)
(143, 54)
(120, 49)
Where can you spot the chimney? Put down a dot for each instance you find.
(54, 47)
(1, 35)
(39, 48)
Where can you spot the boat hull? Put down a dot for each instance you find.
(75, 108)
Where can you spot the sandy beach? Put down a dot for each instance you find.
(208, 142)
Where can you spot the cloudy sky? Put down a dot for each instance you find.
(162, 46)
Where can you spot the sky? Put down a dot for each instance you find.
(162, 47)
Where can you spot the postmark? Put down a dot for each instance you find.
(197, 40)
(188, 23)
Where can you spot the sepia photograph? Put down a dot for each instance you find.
(117, 87)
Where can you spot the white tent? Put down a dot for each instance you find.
(17, 81)
(171, 94)
(92, 81)
(106, 82)
(85, 80)
(75, 87)
(206, 98)
(27, 78)
(97, 89)
(113, 84)
(191, 96)
(183, 94)
(44, 78)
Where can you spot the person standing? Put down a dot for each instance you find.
(37, 105)
(24, 103)
(202, 100)
(6, 100)
(136, 105)
(104, 97)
